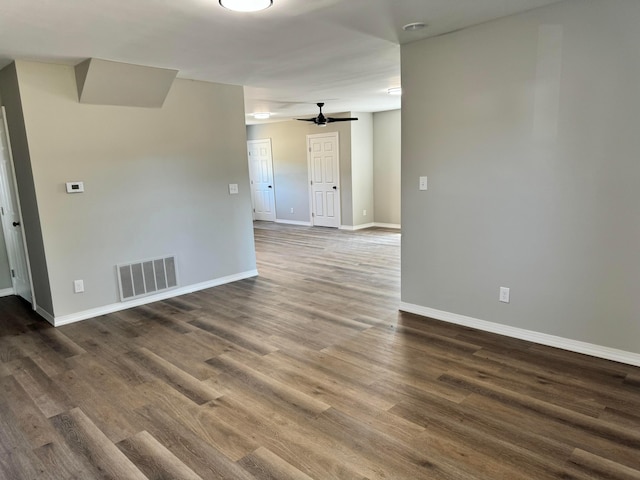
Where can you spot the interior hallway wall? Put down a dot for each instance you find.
(527, 128)
(387, 154)
(156, 184)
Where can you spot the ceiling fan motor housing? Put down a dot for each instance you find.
(322, 121)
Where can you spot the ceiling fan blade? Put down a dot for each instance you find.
(332, 119)
(322, 121)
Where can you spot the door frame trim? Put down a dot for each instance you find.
(8, 183)
(310, 178)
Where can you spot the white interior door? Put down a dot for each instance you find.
(11, 219)
(261, 176)
(324, 173)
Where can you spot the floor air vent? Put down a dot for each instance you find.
(146, 277)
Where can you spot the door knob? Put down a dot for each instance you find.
(335, 188)
(15, 224)
(270, 186)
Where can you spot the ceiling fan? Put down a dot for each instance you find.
(322, 121)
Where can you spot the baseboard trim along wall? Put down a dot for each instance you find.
(369, 225)
(357, 227)
(5, 292)
(387, 225)
(116, 307)
(599, 351)
(44, 314)
(294, 222)
(343, 227)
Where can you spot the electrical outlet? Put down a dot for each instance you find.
(364, 213)
(233, 189)
(78, 286)
(423, 183)
(504, 295)
(292, 210)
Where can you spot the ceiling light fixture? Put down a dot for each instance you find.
(261, 115)
(412, 27)
(395, 91)
(246, 5)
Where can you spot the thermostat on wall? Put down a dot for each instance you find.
(75, 187)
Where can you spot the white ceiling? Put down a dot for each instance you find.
(288, 57)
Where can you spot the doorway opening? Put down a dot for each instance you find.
(12, 220)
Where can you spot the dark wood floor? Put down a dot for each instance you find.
(307, 371)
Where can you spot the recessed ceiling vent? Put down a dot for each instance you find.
(101, 82)
(146, 277)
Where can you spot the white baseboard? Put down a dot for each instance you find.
(116, 307)
(369, 225)
(5, 292)
(387, 225)
(294, 222)
(357, 227)
(599, 351)
(44, 314)
(343, 227)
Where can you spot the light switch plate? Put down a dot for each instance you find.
(233, 189)
(423, 183)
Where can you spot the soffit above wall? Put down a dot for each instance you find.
(103, 82)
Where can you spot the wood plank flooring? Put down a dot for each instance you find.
(305, 372)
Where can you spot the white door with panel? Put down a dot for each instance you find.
(261, 176)
(324, 179)
(11, 219)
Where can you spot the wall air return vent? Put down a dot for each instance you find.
(146, 277)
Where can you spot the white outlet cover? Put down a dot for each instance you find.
(423, 183)
(78, 286)
(233, 189)
(504, 295)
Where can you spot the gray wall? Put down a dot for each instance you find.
(528, 130)
(11, 97)
(290, 167)
(156, 183)
(362, 168)
(386, 166)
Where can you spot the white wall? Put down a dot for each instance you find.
(369, 165)
(362, 168)
(386, 167)
(290, 166)
(156, 182)
(527, 128)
